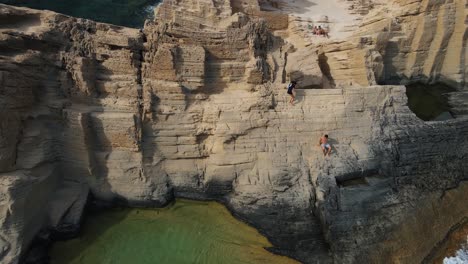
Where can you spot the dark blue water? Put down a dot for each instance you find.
(130, 13)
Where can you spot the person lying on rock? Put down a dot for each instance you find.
(326, 148)
(291, 87)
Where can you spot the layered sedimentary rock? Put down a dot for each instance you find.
(194, 106)
(404, 42)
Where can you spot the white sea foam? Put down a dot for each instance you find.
(150, 8)
(461, 256)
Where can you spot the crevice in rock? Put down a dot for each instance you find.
(283, 75)
(19, 21)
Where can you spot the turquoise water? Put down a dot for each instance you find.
(185, 232)
(130, 13)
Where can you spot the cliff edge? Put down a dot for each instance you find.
(194, 105)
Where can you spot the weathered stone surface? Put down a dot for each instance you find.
(403, 41)
(195, 106)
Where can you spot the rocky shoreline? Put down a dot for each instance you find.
(194, 106)
(450, 244)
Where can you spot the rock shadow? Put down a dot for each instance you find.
(390, 75)
(214, 84)
(328, 81)
(19, 21)
(97, 221)
(430, 102)
(99, 148)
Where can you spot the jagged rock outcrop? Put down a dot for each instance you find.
(194, 106)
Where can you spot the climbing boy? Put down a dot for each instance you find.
(291, 87)
(326, 148)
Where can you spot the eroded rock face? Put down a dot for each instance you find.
(194, 106)
(401, 42)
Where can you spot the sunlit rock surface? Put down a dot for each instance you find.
(195, 106)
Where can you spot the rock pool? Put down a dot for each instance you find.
(184, 232)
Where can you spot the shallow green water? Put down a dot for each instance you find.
(428, 102)
(130, 13)
(186, 232)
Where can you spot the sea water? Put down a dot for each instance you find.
(130, 13)
(185, 232)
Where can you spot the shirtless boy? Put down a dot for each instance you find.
(326, 148)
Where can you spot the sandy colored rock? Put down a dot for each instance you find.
(194, 105)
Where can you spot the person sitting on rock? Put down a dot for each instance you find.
(320, 31)
(315, 30)
(323, 32)
(291, 87)
(326, 147)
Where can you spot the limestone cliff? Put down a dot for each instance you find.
(401, 42)
(194, 105)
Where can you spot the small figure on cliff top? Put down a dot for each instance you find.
(315, 30)
(326, 147)
(291, 87)
(321, 31)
